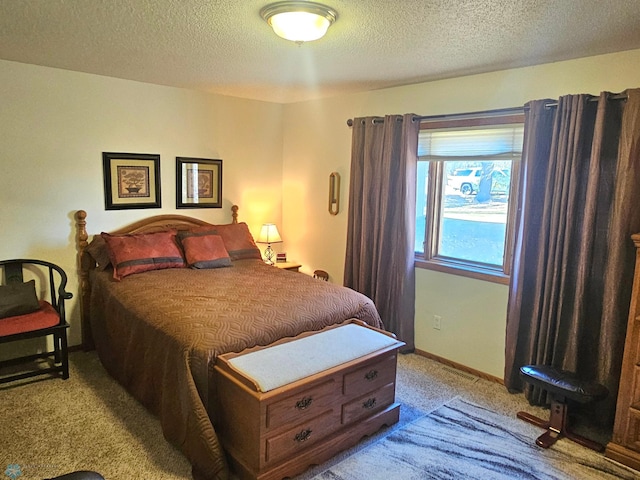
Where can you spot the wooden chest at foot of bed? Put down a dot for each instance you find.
(296, 403)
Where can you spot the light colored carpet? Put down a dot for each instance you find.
(50, 427)
(88, 422)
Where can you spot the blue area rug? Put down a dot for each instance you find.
(461, 440)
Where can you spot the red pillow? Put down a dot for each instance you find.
(204, 250)
(137, 253)
(238, 241)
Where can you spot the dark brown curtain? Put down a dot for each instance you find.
(573, 260)
(381, 226)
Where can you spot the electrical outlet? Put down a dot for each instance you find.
(437, 322)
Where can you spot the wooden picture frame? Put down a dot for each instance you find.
(198, 183)
(131, 180)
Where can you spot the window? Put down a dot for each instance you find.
(468, 172)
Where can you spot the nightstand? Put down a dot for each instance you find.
(293, 266)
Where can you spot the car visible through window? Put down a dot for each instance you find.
(466, 180)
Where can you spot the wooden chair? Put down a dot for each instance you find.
(321, 274)
(22, 319)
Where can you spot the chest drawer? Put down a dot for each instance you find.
(301, 436)
(370, 377)
(306, 404)
(368, 404)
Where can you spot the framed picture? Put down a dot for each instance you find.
(198, 183)
(131, 180)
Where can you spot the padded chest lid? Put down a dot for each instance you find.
(286, 363)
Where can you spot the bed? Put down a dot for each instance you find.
(158, 332)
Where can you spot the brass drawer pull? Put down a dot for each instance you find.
(304, 403)
(302, 436)
(371, 375)
(369, 404)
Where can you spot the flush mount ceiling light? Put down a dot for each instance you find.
(299, 21)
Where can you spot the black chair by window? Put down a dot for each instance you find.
(24, 316)
(562, 387)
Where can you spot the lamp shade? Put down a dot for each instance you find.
(269, 234)
(299, 21)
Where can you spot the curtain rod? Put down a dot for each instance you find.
(615, 96)
(500, 111)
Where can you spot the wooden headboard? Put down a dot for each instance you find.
(86, 263)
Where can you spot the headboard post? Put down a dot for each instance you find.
(85, 288)
(81, 227)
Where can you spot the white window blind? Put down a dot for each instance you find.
(503, 142)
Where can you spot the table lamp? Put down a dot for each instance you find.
(269, 234)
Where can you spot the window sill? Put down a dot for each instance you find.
(463, 271)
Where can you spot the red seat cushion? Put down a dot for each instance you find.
(43, 318)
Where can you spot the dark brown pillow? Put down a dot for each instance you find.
(204, 250)
(138, 253)
(18, 299)
(99, 252)
(238, 241)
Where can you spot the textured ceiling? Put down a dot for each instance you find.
(223, 46)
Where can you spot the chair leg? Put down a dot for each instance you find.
(557, 427)
(538, 422)
(56, 347)
(585, 442)
(552, 433)
(64, 353)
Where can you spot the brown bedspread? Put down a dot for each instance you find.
(158, 333)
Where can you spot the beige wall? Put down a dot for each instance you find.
(317, 141)
(55, 124)
(277, 159)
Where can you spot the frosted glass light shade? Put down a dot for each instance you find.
(269, 234)
(299, 21)
(299, 26)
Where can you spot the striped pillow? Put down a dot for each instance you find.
(138, 253)
(204, 249)
(238, 241)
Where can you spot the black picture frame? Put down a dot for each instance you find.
(198, 182)
(131, 180)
